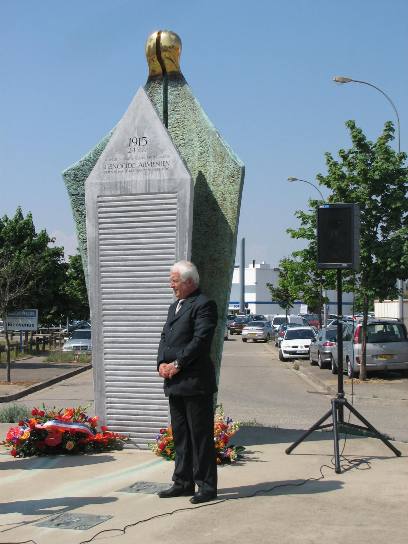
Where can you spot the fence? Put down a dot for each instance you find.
(33, 346)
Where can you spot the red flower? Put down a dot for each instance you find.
(104, 428)
(68, 414)
(41, 413)
(34, 412)
(13, 452)
(93, 421)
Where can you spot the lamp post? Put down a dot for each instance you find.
(342, 80)
(292, 179)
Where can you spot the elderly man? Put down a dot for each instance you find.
(189, 382)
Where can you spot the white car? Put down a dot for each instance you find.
(79, 341)
(296, 343)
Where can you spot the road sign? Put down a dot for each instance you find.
(22, 320)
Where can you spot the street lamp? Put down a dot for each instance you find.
(292, 179)
(343, 79)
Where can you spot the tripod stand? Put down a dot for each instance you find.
(340, 402)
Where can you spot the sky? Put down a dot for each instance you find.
(262, 71)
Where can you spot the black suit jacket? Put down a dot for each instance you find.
(187, 338)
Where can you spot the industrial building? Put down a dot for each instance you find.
(258, 298)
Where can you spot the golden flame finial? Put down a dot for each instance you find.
(163, 49)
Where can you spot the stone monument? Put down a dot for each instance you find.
(121, 176)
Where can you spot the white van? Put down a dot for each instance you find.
(278, 320)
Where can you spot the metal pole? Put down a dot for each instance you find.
(341, 79)
(340, 382)
(165, 81)
(242, 278)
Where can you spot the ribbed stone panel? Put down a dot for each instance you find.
(139, 209)
(137, 246)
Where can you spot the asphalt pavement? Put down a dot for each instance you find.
(268, 496)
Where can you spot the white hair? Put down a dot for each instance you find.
(187, 270)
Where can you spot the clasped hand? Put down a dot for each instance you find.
(168, 370)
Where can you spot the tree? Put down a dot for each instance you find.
(74, 290)
(374, 176)
(30, 270)
(285, 293)
(309, 280)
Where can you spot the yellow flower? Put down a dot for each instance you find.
(25, 434)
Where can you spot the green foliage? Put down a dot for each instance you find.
(13, 413)
(68, 357)
(34, 275)
(373, 175)
(74, 289)
(286, 292)
(30, 271)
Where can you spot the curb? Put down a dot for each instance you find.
(316, 382)
(43, 385)
(313, 381)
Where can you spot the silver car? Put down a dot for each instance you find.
(257, 331)
(321, 348)
(80, 340)
(386, 348)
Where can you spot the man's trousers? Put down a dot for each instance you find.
(192, 421)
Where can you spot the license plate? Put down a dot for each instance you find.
(385, 357)
(251, 334)
(301, 351)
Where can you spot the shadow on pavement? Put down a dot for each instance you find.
(284, 487)
(52, 506)
(56, 461)
(255, 436)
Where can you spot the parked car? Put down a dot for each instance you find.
(321, 349)
(296, 343)
(386, 347)
(257, 331)
(258, 317)
(236, 326)
(80, 340)
(75, 324)
(279, 320)
(312, 320)
(281, 332)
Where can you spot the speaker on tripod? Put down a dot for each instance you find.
(338, 247)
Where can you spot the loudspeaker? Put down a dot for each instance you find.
(338, 236)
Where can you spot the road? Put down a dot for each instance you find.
(256, 387)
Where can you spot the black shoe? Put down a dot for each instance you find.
(176, 491)
(203, 496)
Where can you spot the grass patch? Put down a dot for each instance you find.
(251, 423)
(14, 413)
(68, 357)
